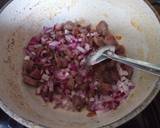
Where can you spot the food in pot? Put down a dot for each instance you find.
(54, 64)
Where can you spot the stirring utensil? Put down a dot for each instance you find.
(108, 52)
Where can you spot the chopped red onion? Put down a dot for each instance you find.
(62, 74)
(45, 77)
(55, 64)
(82, 50)
(54, 44)
(69, 38)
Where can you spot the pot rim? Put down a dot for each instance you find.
(129, 116)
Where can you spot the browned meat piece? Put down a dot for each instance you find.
(84, 37)
(91, 93)
(91, 114)
(84, 30)
(110, 64)
(99, 69)
(58, 60)
(64, 63)
(78, 79)
(27, 66)
(114, 75)
(110, 40)
(88, 27)
(105, 88)
(30, 81)
(78, 103)
(36, 74)
(68, 52)
(102, 28)
(38, 50)
(106, 77)
(111, 76)
(120, 50)
(58, 27)
(83, 87)
(69, 25)
(35, 39)
(91, 42)
(75, 31)
(128, 69)
(59, 35)
(99, 41)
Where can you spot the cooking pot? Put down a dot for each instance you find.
(132, 20)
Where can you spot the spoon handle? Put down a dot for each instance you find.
(145, 66)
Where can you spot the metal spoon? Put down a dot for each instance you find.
(108, 52)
